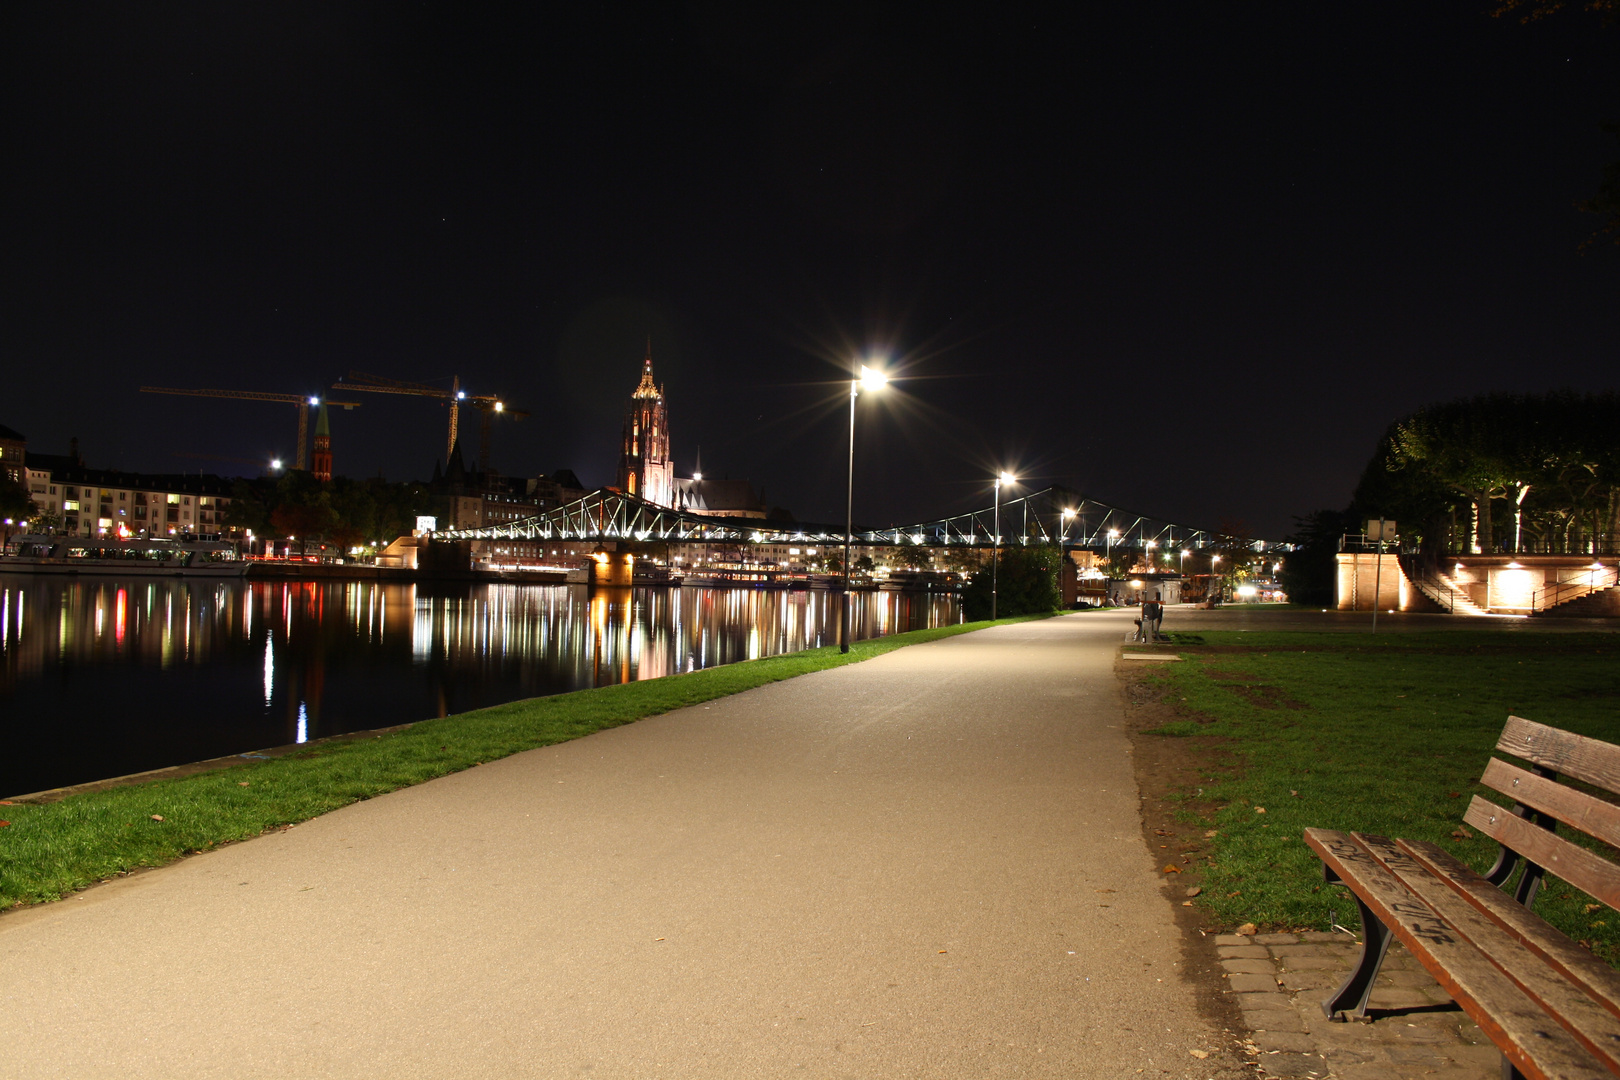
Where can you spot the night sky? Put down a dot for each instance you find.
(1190, 260)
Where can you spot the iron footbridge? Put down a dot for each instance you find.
(1050, 516)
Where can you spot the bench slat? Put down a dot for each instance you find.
(1583, 869)
(1591, 815)
(1535, 933)
(1592, 1025)
(1591, 760)
(1506, 1013)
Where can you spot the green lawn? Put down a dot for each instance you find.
(1385, 734)
(49, 850)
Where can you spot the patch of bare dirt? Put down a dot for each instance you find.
(1177, 824)
(1266, 696)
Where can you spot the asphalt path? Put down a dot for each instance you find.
(929, 864)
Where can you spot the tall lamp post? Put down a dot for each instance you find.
(869, 380)
(995, 557)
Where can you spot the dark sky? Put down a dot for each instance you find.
(1186, 259)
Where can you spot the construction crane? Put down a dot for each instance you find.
(302, 401)
(488, 404)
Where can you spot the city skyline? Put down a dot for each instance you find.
(1188, 263)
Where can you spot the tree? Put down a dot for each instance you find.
(1309, 573)
(1026, 584)
(15, 502)
(1554, 458)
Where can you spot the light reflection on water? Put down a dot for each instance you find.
(105, 676)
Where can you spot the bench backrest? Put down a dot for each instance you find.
(1551, 752)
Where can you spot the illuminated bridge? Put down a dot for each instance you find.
(1050, 516)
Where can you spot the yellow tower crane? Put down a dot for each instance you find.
(488, 404)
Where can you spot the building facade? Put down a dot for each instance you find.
(645, 468)
(76, 501)
(13, 449)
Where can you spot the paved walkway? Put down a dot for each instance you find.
(925, 865)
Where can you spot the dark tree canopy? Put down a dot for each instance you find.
(1026, 584)
(1502, 472)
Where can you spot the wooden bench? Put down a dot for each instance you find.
(1550, 1006)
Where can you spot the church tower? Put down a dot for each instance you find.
(645, 469)
(323, 447)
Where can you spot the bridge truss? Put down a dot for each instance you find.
(1050, 516)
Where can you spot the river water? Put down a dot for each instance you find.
(100, 677)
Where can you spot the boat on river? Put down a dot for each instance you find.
(32, 553)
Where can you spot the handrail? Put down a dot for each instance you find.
(1562, 592)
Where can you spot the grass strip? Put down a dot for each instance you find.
(1384, 734)
(50, 850)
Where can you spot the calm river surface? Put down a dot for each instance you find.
(105, 676)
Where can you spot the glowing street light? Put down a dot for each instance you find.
(995, 558)
(871, 380)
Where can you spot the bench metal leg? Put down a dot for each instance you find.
(1510, 1071)
(1352, 997)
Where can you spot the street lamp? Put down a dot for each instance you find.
(1213, 559)
(995, 557)
(869, 380)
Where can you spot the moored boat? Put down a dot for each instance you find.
(32, 553)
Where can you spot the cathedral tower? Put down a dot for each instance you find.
(323, 447)
(645, 469)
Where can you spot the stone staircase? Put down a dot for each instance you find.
(1595, 604)
(1446, 593)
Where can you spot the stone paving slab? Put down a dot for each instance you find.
(1416, 1032)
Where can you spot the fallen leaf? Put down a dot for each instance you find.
(942, 952)
(1199, 1054)
(1232, 894)
(1295, 794)
(1102, 890)
(3, 824)
(157, 817)
(1195, 890)
(1259, 809)
(7, 802)
(1454, 794)
(1589, 908)
(658, 939)
(1247, 928)
(1212, 834)
(1461, 833)
(1186, 903)
(1172, 868)
(242, 783)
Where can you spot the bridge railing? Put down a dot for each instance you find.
(1049, 516)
